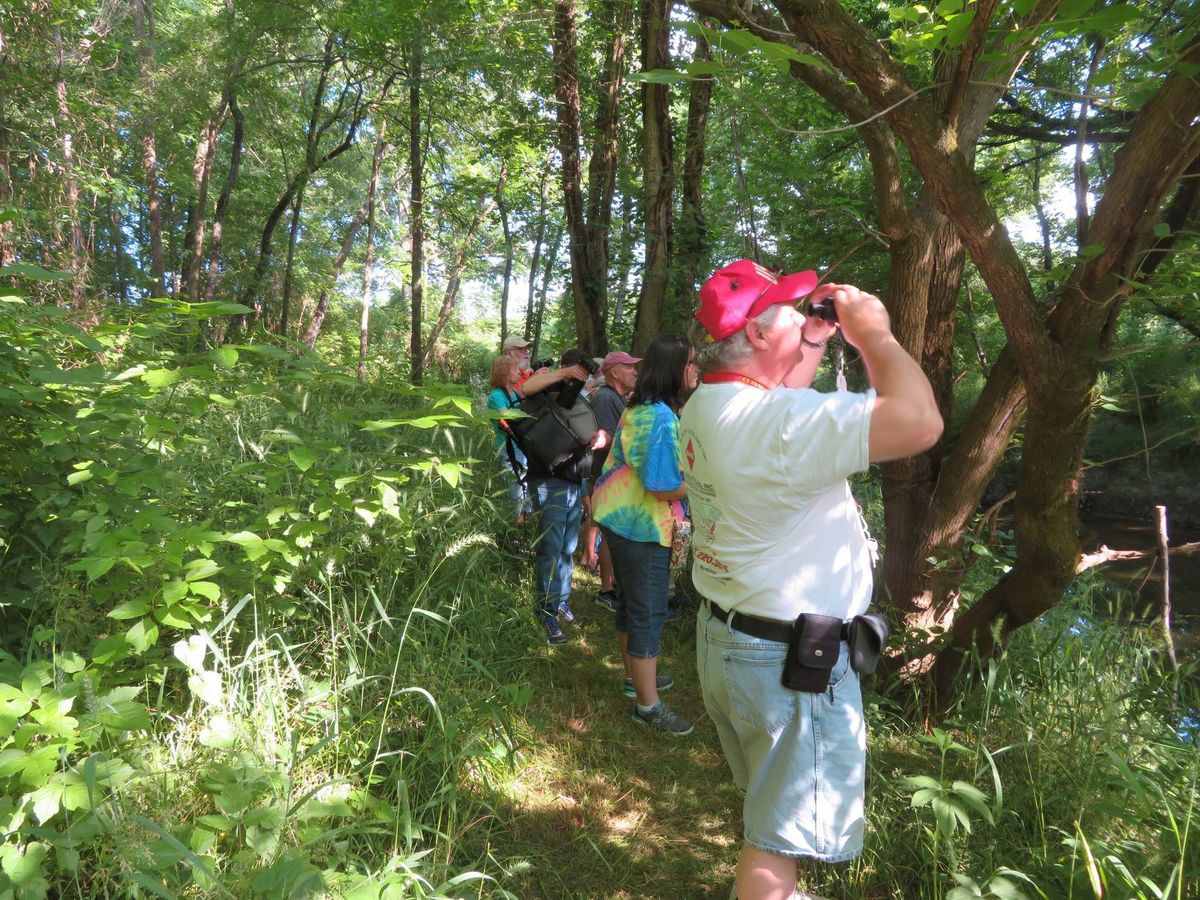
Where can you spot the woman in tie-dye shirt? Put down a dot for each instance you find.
(635, 503)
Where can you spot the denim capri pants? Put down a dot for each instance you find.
(799, 757)
(642, 571)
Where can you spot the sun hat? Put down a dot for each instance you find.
(617, 358)
(510, 343)
(743, 290)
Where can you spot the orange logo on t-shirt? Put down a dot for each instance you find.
(691, 455)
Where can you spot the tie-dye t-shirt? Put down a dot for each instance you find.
(645, 457)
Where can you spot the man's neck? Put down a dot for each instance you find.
(756, 368)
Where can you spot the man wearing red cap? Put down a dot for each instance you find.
(782, 557)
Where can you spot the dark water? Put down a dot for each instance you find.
(1141, 581)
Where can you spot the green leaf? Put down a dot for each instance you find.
(206, 589)
(94, 566)
(1091, 251)
(143, 635)
(160, 378)
(291, 877)
(174, 591)
(303, 457)
(130, 609)
(29, 270)
(224, 357)
(79, 477)
(659, 76)
(1162, 230)
(22, 864)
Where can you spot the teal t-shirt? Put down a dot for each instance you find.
(499, 398)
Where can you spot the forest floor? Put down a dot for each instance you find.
(601, 806)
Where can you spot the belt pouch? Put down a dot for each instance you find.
(868, 633)
(813, 650)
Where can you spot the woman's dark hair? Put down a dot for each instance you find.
(661, 374)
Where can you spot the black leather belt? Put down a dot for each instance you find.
(767, 629)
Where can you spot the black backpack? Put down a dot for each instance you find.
(550, 436)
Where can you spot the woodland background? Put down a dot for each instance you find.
(266, 630)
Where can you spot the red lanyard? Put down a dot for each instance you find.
(722, 377)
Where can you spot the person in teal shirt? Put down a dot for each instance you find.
(506, 371)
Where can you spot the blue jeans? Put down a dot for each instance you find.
(800, 758)
(559, 505)
(643, 574)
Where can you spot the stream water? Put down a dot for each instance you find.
(1137, 585)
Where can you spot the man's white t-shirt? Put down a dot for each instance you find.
(776, 531)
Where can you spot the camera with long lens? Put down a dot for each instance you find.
(536, 364)
(570, 390)
(824, 310)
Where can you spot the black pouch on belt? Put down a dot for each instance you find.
(813, 650)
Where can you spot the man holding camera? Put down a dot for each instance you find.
(558, 500)
(782, 557)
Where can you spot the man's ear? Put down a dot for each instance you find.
(755, 335)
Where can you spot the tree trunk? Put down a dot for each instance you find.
(8, 250)
(587, 235)
(454, 276)
(218, 229)
(143, 37)
(76, 248)
(544, 290)
(658, 176)
(508, 254)
(364, 320)
(290, 266)
(193, 244)
(537, 252)
(416, 165)
(692, 233)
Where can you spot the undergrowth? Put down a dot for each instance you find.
(268, 634)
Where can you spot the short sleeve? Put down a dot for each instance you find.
(825, 437)
(497, 400)
(658, 462)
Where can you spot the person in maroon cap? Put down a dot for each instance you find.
(608, 402)
(782, 557)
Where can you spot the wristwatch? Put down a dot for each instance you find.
(816, 345)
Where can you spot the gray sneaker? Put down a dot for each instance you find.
(663, 718)
(661, 683)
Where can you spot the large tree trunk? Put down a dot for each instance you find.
(587, 226)
(691, 245)
(143, 37)
(658, 176)
(416, 165)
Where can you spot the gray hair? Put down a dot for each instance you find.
(734, 349)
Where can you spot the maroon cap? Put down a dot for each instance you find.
(618, 357)
(743, 290)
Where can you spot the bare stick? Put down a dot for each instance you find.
(1166, 594)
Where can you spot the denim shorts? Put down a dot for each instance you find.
(799, 757)
(642, 572)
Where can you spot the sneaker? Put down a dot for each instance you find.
(663, 718)
(661, 682)
(554, 634)
(566, 613)
(607, 600)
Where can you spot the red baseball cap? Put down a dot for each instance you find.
(743, 290)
